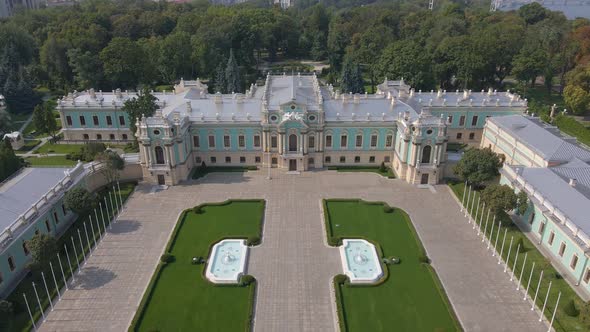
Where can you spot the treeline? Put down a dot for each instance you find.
(131, 44)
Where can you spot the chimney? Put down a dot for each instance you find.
(573, 182)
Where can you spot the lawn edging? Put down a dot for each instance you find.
(337, 241)
(139, 313)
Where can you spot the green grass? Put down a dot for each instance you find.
(573, 127)
(179, 297)
(411, 299)
(371, 169)
(455, 147)
(563, 322)
(20, 320)
(59, 148)
(29, 145)
(50, 161)
(199, 172)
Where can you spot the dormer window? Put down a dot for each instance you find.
(293, 107)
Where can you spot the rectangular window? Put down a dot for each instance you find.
(532, 218)
(471, 135)
(328, 160)
(256, 141)
(474, 121)
(450, 119)
(211, 141)
(112, 137)
(1, 279)
(274, 161)
(459, 135)
(63, 209)
(343, 141)
(386, 159)
(587, 275)
(55, 218)
(574, 262)
(241, 141)
(82, 120)
(328, 141)
(273, 142)
(359, 141)
(357, 159)
(95, 120)
(257, 159)
(342, 159)
(11, 264)
(196, 142)
(228, 160)
(389, 141)
(242, 160)
(373, 141)
(311, 142)
(48, 226)
(109, 120)
(551, 238)
(372, 159)
(562, 249)
(226, 141)
(69, 120)
(26, 248)
(121, 120)
(462, 120)
(198, 160)
(213, 160)
(541, 228)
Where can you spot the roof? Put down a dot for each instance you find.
(545, 140)
(18, 194)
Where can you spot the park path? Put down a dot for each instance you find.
(293, 264)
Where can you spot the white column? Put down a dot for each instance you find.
(280, 136)
(263, 141)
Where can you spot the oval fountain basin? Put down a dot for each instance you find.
(227, 261)
(360, 261)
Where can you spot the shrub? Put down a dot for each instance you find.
(6, 308)
(340, 279)
(167, 258)
(424, 259)
(253, 241)
(570, 309)
(558, 275)
(198, 209)
(521, 243)
(78, 200)
(42, 248)
(382, 168)
(246, 280)
(203, 165)
(335, 241)
(387, 209)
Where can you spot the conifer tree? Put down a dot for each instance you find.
(220, 82)
(232, 74)
(352, 78)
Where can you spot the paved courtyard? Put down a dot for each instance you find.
(293, 264)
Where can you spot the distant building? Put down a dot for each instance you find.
(292, 123)
(2, 103)
(284, 3)
(8, 7)
(554, 171)
(16, 140)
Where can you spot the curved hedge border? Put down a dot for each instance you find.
(161, 266)
(337, 241)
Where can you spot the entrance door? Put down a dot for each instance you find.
(292, 164)
(161, 180)
(424, 179)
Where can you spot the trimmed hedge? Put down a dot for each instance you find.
(167, 258)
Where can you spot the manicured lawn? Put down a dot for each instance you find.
(60, 148)
(563, 322)
(50, 161)
(29, 145)
(455, 147)
(388, 173)
(411, 299)
(199, 172)
(179, 297)
(20, 321)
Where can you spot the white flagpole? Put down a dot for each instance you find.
(39, 301)
(476, 212)
(55, 281)
(467, 206)
(463, 199)
(491, 232)
(112, 205)
(508, 256)
(483, 238)
(63, 275)
(515, 260)
(82, 246)
(537, 291)
(104, 226)
(47, 291)
(102, 215)
(69, 263)
(97, 223)
(75, 253)
(529, 283)
(87, 239)
(545, 302)
(30, 314)
(554, 311)
(120, 196)
(93, 233)
(106, 206)
(497, 237)
(503, 242)
(522, 271)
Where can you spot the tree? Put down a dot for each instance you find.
(78, 200)
(9, 161)
(407, 60)
(499, 198)
(220, 82)
(232, 74)
(43, 248)
(351, 80)
(5, 121)
(528, 64)
(123, 62)
(144, 104)
(570, 309)
(532, 13)
(478, 165)
(87, 68)
(44, 120)
(522, 202)
(111, 164)
(577, 90)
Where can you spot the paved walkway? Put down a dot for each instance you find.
(293, 264)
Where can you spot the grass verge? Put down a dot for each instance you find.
(199, 172)
(371, 169)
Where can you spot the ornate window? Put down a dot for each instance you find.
(228, 160)
(292, 142)
(328, 141)
(159, 155)
(242, 160)
(357, 159)
(562, 249)
(374, 140)
(256, 141)
(462, 120)
(69, 120)
(574, 262)
(359, 141)
(109, 120)
(426, 151)
(241, 141)
(213, 160)
(372, 159)
(226, 141)
(211, 142)
(196, 142)
(389, 140)
(274, 142)
(342, 159)
(474, 120)
(343, 140)
(311, 142)
(121, 120)
(327, 159)
(95, 120)
(11, 263)
(82, 120)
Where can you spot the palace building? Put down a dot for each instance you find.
(292, 122)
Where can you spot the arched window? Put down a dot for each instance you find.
(426, 154)
(293, 142)
(159, 155)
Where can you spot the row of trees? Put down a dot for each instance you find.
(9, 162)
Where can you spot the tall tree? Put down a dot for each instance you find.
(123, 62)
(232, 74)
(220, 82)
(351, 79)
(478, 165)
(43, 248)
(111, 164)
(499, 198)
(9, 162)
(136, 107)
